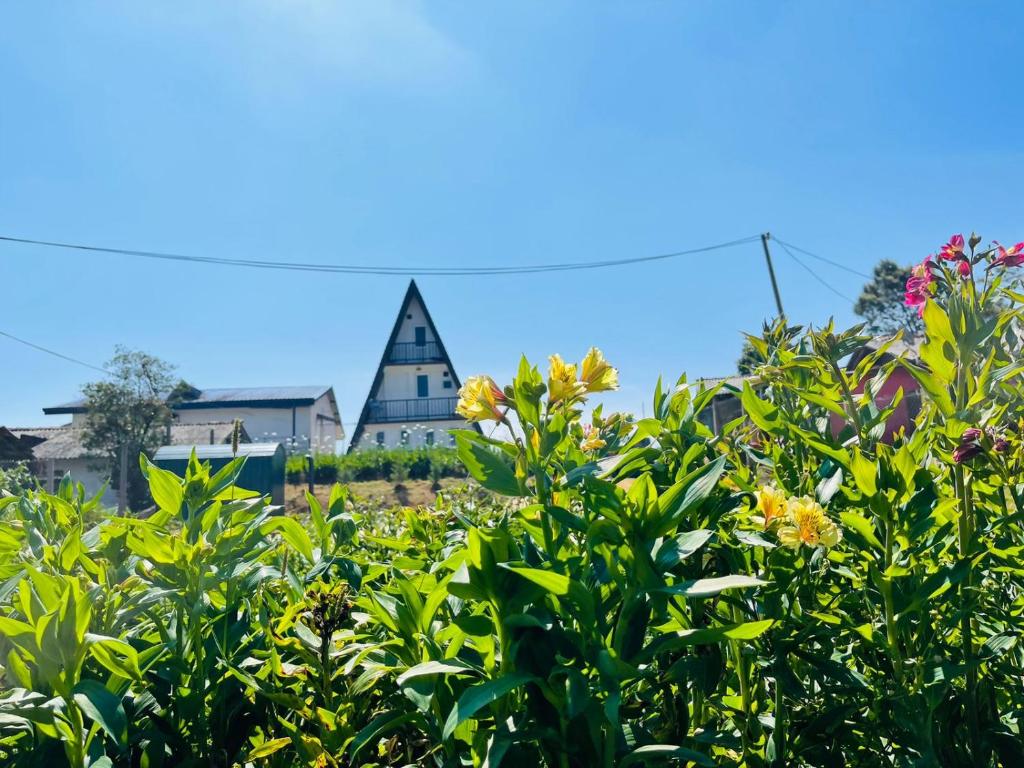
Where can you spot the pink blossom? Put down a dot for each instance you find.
(964, 268)
(971, 433)
(919, 286)
(966, 452)
(954, 249)
(1009, 257)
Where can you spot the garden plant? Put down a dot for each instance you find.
(805, 586)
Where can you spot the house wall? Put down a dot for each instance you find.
(417, 434)
(275, 424)
(407, 332)
(903, 416)
(399, 381)
(85, 471)
(325, 432)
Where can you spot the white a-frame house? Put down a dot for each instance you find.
(413, 395)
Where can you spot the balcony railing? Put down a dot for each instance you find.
(416, 409)
(411, 352)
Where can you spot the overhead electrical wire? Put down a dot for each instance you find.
(52, 352)
(836, 264)
(814, 274)
(377, 270)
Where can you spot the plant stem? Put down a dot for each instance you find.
(741, 673)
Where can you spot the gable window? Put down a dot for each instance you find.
(422, 385)
(405, 437)
(447, 384)
(421, 336)
(430, 437)
(380, 438)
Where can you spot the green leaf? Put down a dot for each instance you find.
(165, 487)
(939, 348)
(765, 415)
(864, 471)
(380, 725)
(115, 655)
(673, 551)
(104, 708)
(451, 667)
(292, 533)
(660, 752)
(687, 494)
(555, 583)
(268, 748)
(862, 526)
(711, 587)
(746, 631)
(479, 696)
(486, 466)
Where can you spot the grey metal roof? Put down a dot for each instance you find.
(172, 452)
(284, 397)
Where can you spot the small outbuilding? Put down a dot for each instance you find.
(263, 470)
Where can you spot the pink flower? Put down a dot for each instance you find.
(964, 268)
(971, 433)
(966, 452)
(954, 249)
(1009, 257)
(919, 285)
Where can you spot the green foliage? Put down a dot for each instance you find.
(418, 464)
(801, 589)
(129, 411)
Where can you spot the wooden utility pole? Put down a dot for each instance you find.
(771, 272)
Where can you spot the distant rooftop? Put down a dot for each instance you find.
(279, 397)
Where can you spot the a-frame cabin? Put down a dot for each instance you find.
(414, 392)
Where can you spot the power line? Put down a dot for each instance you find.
(52, 352)
(814, 274)
(364, 270)
(836, 264)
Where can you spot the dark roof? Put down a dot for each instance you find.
(171, 452)
(413, 292)
(253, 397)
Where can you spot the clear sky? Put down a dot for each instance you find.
(452, 133)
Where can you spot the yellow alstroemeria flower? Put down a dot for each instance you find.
(591, 440)
(562, 383)
(479, 399)
(597, 373)
(806, 523)
(771, 503)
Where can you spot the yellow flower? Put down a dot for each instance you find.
(562, 383)
(479, 399)
(591, 440)
(806, 523)
(598, 375)
(771, 503)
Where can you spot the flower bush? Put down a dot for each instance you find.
(800, 588)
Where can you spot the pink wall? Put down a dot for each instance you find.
(905, 411)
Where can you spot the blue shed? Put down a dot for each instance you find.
(263, 470)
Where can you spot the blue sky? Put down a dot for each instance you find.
(445, 133)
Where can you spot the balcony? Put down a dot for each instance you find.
(404, 352)
(416, 409)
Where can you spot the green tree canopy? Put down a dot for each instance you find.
(881, 302)
(129, 411)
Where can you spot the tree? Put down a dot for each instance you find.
(881, 302)
(749, 360)
(129, 412)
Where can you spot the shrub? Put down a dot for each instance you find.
(417, 464)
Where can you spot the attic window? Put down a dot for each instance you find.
(408, 316)
(445, 374)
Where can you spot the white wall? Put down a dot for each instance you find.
(82, 471)
(417, 434)
(399, 381)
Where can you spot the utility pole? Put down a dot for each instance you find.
(771, 272)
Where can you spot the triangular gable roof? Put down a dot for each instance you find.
(412, 293)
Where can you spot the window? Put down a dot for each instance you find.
(447, 384)
(430, 437)
(405, 437)
(421, 336)
(422, 385)
(380, 438)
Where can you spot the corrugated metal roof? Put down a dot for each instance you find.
(171, 452)
(210, 398)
